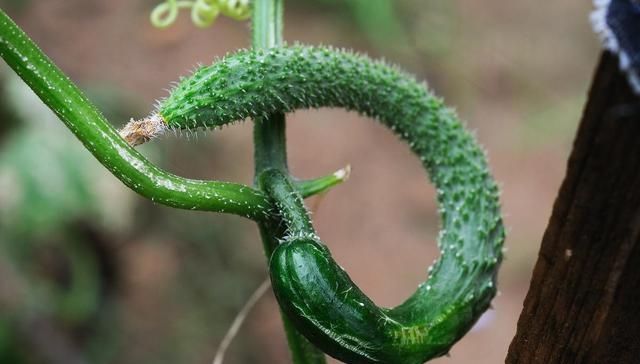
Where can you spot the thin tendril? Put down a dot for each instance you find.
(203, 12)
(236, 9)
(239, 320)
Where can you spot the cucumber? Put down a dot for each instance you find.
(325, 305)
(313, 291)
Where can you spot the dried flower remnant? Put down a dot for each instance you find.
(138, 132)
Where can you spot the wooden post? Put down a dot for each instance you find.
(583, 305)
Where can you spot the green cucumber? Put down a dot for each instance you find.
(313, 291)
(335, 315)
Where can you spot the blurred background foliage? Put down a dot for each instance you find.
(91, 273)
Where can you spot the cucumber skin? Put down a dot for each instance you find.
(254, 83)
(306, 280)
(335, 315)
(460, 285)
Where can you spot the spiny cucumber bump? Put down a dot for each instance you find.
(462, 283)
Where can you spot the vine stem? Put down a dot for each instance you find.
(66, 100)
(271, 152)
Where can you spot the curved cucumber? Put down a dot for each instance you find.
(312, 290)
(334, 314)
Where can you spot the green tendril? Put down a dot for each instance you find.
(203, 12)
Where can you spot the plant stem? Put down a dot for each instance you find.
(62, 96)
(269, 133)
(271, 152)
(322, 184)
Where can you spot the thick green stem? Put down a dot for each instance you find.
(60, 94)
(271, 152)
(269, 133)
(270, 143)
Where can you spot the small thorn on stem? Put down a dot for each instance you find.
(138, 132)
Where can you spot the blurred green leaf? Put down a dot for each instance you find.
(48, 179)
